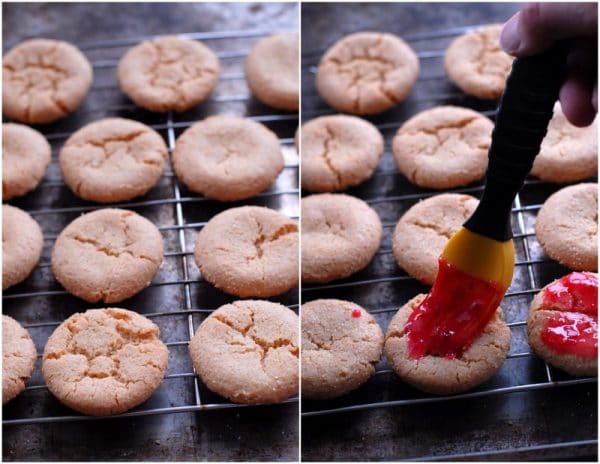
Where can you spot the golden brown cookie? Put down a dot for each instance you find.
(249, 251)
(476, 63)
(423, 231)
(272, 71)
(112, 159)
(18, 358)
(25, 158)
(227, 158)
(168, 73)
(443, 147)
(338, 152)
(107, 255)
(341, 344)
(104, 361)
(247, 351)
(439, 375)
(44, 80)
(567, 227)
(22, 244)
(340, 236)
(572, 321)
(367, 73)
(568, 153)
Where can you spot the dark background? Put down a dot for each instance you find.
(254, 433)
(486, 428)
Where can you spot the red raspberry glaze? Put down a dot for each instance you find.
(453, 314)
(573, 330)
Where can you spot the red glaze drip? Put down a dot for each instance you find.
(453, 315)
(575, 329)
(356, 313)
(576, 292)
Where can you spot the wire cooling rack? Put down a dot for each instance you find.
(178, 298)
(383, 287)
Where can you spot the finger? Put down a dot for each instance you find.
(577, 95)
(576, 101)
(538, 25)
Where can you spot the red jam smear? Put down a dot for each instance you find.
(453, 314)
(573, 330)
(356, 313)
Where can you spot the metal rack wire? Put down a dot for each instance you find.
(179, 225)
(390, 194)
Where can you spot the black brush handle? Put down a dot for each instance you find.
(525, 109)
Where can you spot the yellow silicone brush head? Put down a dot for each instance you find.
(481, 257)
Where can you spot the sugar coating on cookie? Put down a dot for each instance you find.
(247, 351)
(423, 231)
(443, 147)
(227, 158)
(112, 159)
(104, 361)
(25, 158)
(18, 358)
(272, 71)
(107, 255)
(568, 153)
(44, 80)
(440, 375)
(567, 227)
(540, 312)
(168, 73)
(22, 243)
(250, 251)
(367, 73)
(476, 63)
(338, 152)
(341, 344)
(340, 236)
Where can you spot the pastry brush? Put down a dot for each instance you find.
(476, 266)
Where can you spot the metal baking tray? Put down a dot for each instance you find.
(386, 419)
(35, 424)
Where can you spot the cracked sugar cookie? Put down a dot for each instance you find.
(25, 158)
(567, 227)
(423, 231)
(250, 251)
(168, 73)
(441, 375)
(247, 351)
(444, 147)
(107, 255)
(338, 152)
(341, 344)
(367, 73)
(568, 153)
(476, 63)
(112, 160)
(18, 358)
(22, 244)
(104, 361)
(562, 326)
(227, 158)
(272, 71)
(340, 236)
(44, 80)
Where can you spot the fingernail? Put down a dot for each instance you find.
(510, 40)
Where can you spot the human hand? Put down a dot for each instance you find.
(538, 25)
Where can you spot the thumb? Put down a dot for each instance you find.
(538, 25)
